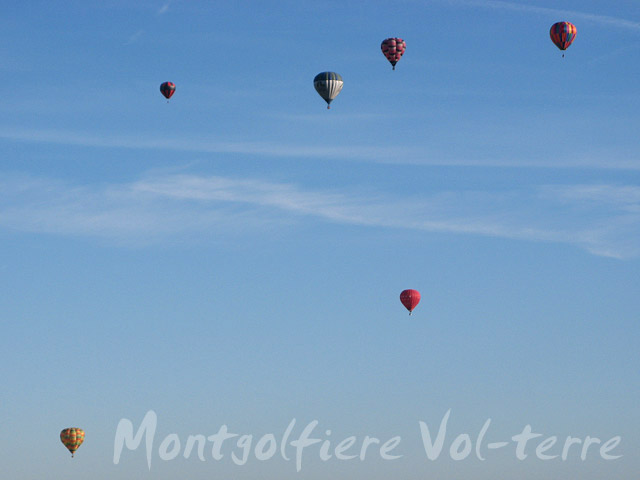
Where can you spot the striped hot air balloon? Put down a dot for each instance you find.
(393, 48)
(72, 438)
(168, 89)
(328, 86)
(563, 34)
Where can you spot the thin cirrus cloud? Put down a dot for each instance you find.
(518, 7)
(138, 34)
(135, 37)
(602, 219)
(382, 154)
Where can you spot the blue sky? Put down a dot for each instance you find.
(235, 256)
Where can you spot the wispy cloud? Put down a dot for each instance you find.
(135, 37)
(603, 219)
(195, 144)
(164, 8)
(569, 14)
(384, 154)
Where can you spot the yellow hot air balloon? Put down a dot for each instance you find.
(72, 438)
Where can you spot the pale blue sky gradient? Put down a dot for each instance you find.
(235, 256)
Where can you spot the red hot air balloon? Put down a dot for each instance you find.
(563, 34)
(410, 299)
(393, 48)
(168, 89)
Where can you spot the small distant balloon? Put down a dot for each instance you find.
(410, 299)
(72, 438)
(393, 48)
(563, 34)
(328, 86)
(168, 89)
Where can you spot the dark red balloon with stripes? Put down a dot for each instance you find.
(410, 299)
(563, 34)
(168, 89)
(393, 48)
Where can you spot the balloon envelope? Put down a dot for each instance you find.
(167, 89)
(72, 438)
(393, 48)
(328, 85)
(563, 34)
(410, 299)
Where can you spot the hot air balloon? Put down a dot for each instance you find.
(563, 34)
(393, 48)
(72, 438)
(168, 89)
(328, 86)
(410, 299)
